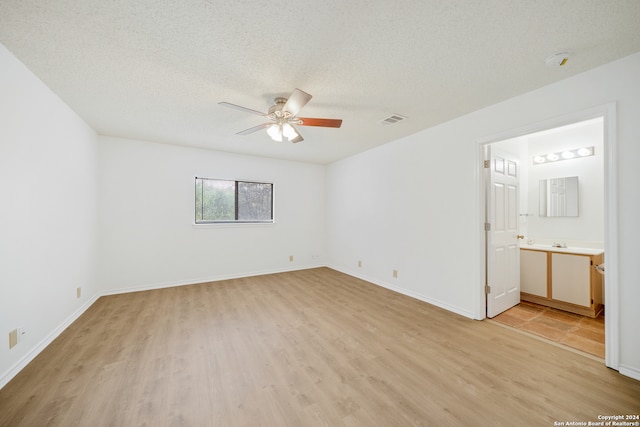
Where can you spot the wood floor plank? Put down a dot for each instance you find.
(306, 348)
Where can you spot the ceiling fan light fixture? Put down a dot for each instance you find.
(288, 131)
(283, 116)
(275, 132)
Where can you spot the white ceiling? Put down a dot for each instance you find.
(156, 69)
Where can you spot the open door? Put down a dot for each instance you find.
(502, 238)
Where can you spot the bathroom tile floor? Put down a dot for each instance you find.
(573, 330)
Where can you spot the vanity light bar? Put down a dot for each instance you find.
(563, 155)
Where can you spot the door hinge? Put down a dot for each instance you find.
(487, 226)
(487, 289)
(487, 164)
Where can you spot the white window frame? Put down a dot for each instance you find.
(217, 223)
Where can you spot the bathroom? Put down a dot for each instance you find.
(550, 232)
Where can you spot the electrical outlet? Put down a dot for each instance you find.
(78, 292)
(290, 258)
(21, 334)
(395, 274)
(360, 264)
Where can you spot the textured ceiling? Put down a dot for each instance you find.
(156, 69)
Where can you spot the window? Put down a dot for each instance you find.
(219, 200)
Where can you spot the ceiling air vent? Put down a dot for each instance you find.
(392, 119)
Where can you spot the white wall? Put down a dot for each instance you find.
(405, 207)
(413, 205)
(47, 213)
(147, 236)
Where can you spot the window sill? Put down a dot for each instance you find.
(233, 224)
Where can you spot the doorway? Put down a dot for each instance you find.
(531, 226)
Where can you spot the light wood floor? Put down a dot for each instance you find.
(307, 348)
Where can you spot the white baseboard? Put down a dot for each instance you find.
(37, 349)
(629, 371)
(408, 293)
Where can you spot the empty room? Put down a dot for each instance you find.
(319, 213)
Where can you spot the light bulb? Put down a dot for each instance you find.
(552, 157)
(584, 152)
(288, 131)
(275, 132)
(568, 155)
(538, 159)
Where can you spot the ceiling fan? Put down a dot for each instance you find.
(283, 115)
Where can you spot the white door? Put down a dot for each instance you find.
(503, 248)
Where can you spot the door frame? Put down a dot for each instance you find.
(608, 113)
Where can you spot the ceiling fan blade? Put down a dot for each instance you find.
(239, 108)
(254, 129)
(297, 139)
(296, 101)
(327, 123)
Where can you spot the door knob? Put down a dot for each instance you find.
(520, 236)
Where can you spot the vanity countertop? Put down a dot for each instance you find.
(569, 250)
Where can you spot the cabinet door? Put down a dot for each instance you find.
(571, 278)
(533, 272)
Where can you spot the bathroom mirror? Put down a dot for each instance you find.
(559, 196)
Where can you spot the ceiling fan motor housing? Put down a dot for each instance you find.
(278, 103)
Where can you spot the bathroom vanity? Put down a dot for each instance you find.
(563, 278)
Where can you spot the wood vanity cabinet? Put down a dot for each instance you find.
(563, 280)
